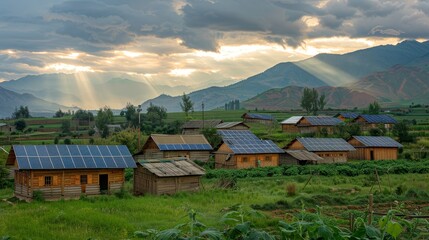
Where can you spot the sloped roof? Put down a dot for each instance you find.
(199, 123)
(258, 116)
(181, 142)
(51, 157)
(227, 125)
(348, 115)
(172, 167)
(3, 124)
(292, 120)
(304, 155)
(244, 141)
(382, 118)
(325, 144)
(323, 120)
(377, 141)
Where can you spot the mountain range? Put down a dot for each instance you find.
(349, 80)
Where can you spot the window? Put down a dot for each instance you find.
(83, 179)
(268, 159)
(48, 180)
(244, 159)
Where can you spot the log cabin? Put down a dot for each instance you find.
(258, 118)
(194, 127)
(299, 157)
(368, 121)
(167, 176)
(374, 148)
(310, 124)
(232, 126)
(159, 146)
(242, 149)
(68, 171)
(332, 150)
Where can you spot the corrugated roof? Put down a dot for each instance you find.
(51, 157)
(199, 123)
(323, 120)
(244, 141)
(304, 155)
(258, 116)
(226, 125)
(325, 144)
(292, 120)
(3, 124)
(172, 167)
(378, 141)
(349, 115)
(181, 142)
(382, 118)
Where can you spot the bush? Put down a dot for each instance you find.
(123, 194)
(38, 196)
(291, 189)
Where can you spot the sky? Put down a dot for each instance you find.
(194, 43)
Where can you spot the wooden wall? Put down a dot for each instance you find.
(191, 131)
(65, 184)
(253, 120)
(238, 161)
(158, 154)
(287, 159)
(225, 158)
(289, 128)
(332, 157)
(146, 182)
(364, 153)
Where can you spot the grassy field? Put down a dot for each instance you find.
(109, 217)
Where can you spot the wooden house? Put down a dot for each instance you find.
(6, 128)
(232, 126)
(258, 118)
(167, 176)
(374, 148)
(373, 121)
(332, 150)
(347, 116)
(299, 157)
(68, 171)
(242, 149)
(310, 124)
(193, 127)
(159, 146)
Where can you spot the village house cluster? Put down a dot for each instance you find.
(166, 163)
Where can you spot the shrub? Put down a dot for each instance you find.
(291, 189)
(38, 196)
(122, 194)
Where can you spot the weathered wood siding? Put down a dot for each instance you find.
(238, 161)
(191, 131)
(287, 159)
(332, 157)
(289, 128)
(65, 184)
(367, 126)
(364, 153)
(253, 120)
(225, 158)
(146, 182)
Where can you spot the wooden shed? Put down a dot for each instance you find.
(290, 125)
(167, 176)
(310, 124)
(332, 150)
(374, 148)
(368, 121)
(6, 128)
(160, 146)
(193, 127)
(232, 126)
(258, 118)
(347, 116)
(299, 157)
(68, 171)
(242, 149)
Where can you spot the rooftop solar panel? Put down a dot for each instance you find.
(377, 141)
(184, 147)
(349, 115)
(259, 116)
(244, 141)
(325, 144)
(72, 156)
(323, 120)
(378, 118)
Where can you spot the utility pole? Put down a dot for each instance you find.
(202, 105)
(139, 109)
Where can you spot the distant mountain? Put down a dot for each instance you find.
(337, 70)
(289, 98)
(283, 74)
(10, 100)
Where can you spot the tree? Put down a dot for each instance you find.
(22, 112)
(20, 124)
(212, 136)
(311, 102)
(306, 100)
(400, 130)
(104, 117)
(83, 115)
(322, 102)
(374, 108)
(186, 104)
(65, 126)
(131, 115)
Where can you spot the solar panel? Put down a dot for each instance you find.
(184, 147)
(378, 118)
(72, 156)
(377, 141)
(244, 141)
(325, 144)
(323, 120)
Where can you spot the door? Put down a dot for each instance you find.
(371, 153)
(104, 183)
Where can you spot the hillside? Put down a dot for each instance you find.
(289, 98)
(10, 100)
(335, 70)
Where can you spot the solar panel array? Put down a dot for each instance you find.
(73, 156)
(349, 115)
(323, 121)
(244, 141)
(184, 147)
(377, 141)
(292, 120)
(259, 116)
(378, 118)
(325, 144)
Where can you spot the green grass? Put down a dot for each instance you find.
(108, 217)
